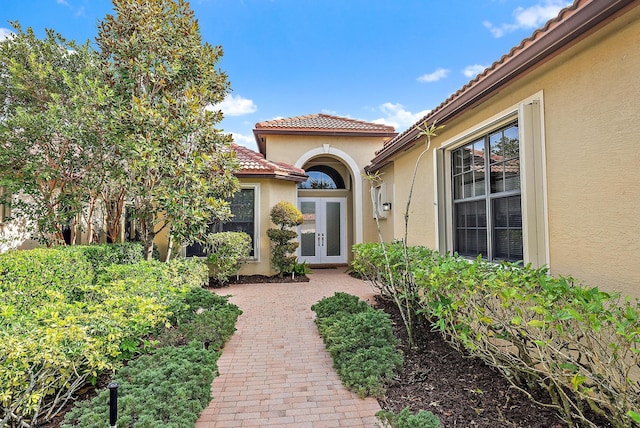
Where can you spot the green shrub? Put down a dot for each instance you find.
(168, 388)
(104, 255)
(406, 419)
(339, 305)
(61, 325)
(185, 310)
(578, 345)
(213, 327)
(226, 252)
(360, 341)
(28, 277)
(285, 215)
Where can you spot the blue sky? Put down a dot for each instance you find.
(385, 61)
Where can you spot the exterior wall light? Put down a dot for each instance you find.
(386, 206)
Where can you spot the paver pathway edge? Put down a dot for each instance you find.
(275, 370)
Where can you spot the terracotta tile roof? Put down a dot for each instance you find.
(254, 164)
(320, 124)
(571, 23)
(325, 123)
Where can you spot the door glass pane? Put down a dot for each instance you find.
(334, 233)
(308, 229)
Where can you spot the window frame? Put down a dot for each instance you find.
(489, 197)
(256, 223)
(529, 113)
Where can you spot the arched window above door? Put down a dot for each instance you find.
(322, 177)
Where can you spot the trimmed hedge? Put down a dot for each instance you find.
(61, 324)
(578, 345)
(406, 419)
(360, 341)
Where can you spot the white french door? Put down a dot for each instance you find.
(323, 232)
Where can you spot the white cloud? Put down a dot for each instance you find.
(396, 116)
(236, 106)
(63, 2)
(244, 140)
(5, 33)
(473, 70)
(529, 18)
(440, 73)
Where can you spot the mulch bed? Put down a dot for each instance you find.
(461, 391)
(258, 279)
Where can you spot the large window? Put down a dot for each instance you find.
(243, 208)
(486, 196)
(322, 177)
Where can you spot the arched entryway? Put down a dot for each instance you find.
(328, 203)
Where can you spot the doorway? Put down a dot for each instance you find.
(323, 231)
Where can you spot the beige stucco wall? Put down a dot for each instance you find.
(271, 191)
(591, 99)
(359, 150)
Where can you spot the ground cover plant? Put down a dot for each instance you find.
(361, 342)
(406, 419)
(170, 385)
(64, 322)
(577, 346)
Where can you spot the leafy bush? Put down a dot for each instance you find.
(212, 328)
(28, 277)
(171, 385)
(360, 341)
(61, 325)
(285, 215)
(406, 419)
(204, 317)
(168, 388)
(104, 255)
(578, 345)
(195, 300)
(389, 267)
(227, 251)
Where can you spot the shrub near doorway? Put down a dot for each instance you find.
(285, 215)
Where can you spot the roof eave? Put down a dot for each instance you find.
(277, 176)
(581, 23)
(259, 132)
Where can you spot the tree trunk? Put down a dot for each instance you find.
(170, 245)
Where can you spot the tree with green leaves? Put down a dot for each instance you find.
(55, 148)
(286, 216)
(180, 168)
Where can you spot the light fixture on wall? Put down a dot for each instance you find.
(386, 206)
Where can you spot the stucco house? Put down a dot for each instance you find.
(539, 154)
(537, 160)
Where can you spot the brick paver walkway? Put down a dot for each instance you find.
(275, 370)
